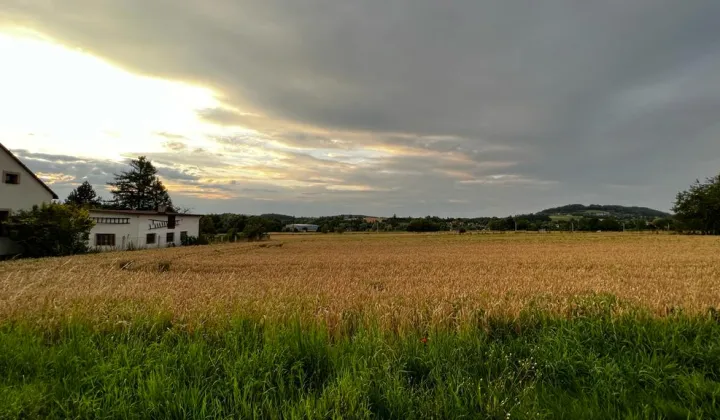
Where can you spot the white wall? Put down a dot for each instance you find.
(140, 225)
(124, 234)
(24, 195)
(189, 224)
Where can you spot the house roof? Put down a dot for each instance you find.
(143, 212)
(19, 162)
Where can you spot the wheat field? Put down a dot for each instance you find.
(521, 326)
(395, 279)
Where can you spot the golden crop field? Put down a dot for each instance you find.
(395, 278)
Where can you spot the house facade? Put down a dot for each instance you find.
(20, 189)
(133, 229)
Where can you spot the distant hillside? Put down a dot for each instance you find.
(621, 212)
(281, 217)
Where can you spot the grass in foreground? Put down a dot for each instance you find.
(595, 365)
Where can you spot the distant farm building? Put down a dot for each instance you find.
(302, 227)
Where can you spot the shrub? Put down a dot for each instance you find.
(254, 230)
(51, 230)
(422, 225)
(194, 240)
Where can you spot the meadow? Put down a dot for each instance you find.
(369, 326)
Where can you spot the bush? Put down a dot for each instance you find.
(194, 240)
(422, 225)
(254, 230)
(51, 230)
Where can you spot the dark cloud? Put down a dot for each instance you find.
(225, 116)
(66, 172)
(177, 175)
(612, 102)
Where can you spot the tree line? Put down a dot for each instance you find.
(63, 229)
(697, 210)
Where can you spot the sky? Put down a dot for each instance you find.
(410, 107)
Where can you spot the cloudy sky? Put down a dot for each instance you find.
(413, 107)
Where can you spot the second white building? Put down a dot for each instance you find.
(128, 229)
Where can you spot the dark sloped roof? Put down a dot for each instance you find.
(145, 212)
(28, 170)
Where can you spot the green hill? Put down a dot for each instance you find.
(620, 212)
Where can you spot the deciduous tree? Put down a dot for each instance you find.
(51, 230)
(698, 208)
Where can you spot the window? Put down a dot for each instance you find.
(11, 177)
(105, 239)
(171, 222)
(111, 220)
(170, 237)
(183, 236)
(150, 238)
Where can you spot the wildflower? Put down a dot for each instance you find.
(424, 340)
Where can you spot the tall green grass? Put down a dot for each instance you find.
(594, 365)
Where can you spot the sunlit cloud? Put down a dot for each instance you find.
(354, 188)
(53, 178)
(53, 95)
(506, 179)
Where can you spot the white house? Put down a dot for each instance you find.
(20, 189)
(124, 229)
